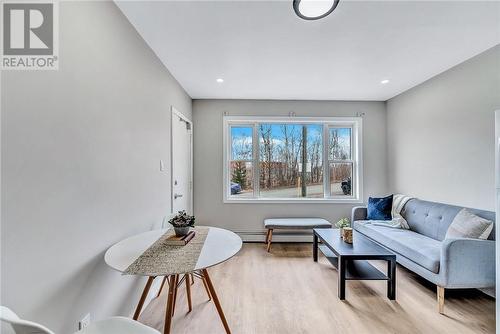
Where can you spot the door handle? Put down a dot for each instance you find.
(176, 196)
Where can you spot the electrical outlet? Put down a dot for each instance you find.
(84, 322)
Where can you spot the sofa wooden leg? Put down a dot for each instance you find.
(269, 239)
(440, 299)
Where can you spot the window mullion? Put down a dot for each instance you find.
(326, 165)
(256, 168)
(354, 180)
(342, 161)
(229, 158)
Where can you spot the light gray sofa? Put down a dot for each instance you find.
(450, 263)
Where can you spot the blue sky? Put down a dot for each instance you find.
(314, 131)
(241, 132)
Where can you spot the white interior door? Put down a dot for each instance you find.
(182, 130)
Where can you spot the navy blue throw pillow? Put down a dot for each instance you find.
(380, 208)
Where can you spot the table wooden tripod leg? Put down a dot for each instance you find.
(216, 301)
(188, 292)
(169, 312)
(176, 285)
(161, 287)
(143, 297)
(206, 287)
(189, 282)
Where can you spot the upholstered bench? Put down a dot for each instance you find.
(292, 223)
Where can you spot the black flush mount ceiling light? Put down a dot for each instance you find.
(314, 9)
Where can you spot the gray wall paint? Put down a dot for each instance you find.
(80, 167)
(208, 156)
(81, 149)
(441, 135)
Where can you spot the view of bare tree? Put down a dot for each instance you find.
(282, 155)
(290, 156)
(266, 155)
(241, 147)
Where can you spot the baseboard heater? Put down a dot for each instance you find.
(278, 236)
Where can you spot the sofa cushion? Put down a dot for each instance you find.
(380, 208)
(418, 248)
(433, 219)
(468, 225)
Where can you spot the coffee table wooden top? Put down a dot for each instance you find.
(361, 248)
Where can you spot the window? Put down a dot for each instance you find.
(240, 166)
(292, 159)
(340, 164)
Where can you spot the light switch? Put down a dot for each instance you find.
(162, 166)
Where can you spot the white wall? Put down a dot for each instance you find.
(441, 135)
(497, 231)
(80, 167)
(208, 161)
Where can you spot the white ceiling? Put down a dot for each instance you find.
(262, 50)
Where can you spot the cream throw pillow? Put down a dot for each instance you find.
(468, 225)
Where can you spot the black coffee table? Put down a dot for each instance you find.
(351, 259)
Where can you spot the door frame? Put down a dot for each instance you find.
(175, 113)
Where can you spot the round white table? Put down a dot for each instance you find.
(220, 245)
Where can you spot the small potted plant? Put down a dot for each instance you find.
(344, 222)
(181, 223)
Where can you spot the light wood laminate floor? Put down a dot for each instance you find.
(286, 292)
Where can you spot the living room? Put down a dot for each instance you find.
(335, 161)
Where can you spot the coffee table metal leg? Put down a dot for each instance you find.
(391, 282)
(315, 247)
(341, 270)
(143, 297)
(216, 301)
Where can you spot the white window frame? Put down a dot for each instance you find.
(355, 123)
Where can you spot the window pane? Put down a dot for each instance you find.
(241, 143)
(341, 179)
(314, 177)
(280, 159)
(340, 144)
(241, 184)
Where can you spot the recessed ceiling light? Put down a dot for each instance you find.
(220, 80)
(385, 81)
(314, 9)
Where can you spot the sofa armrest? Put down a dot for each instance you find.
(468, 263)
(358, 213)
